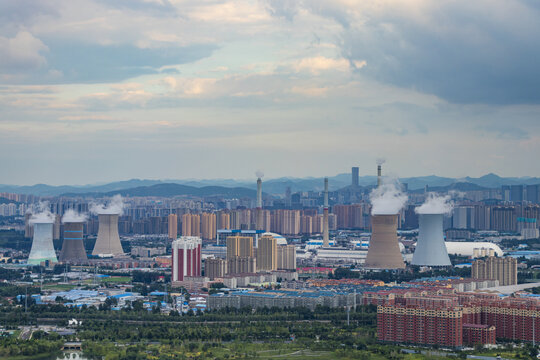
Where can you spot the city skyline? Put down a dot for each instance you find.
(159, 89)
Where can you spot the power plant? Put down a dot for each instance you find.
(108, 240)
(430, 247)
(326, 240)
(383, 252)
(73, 246)
(42, 244)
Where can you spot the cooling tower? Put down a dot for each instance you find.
(73, 246)
(383, 252)
(108, 240)
(430, 247)
(42, 244)
(326, 240)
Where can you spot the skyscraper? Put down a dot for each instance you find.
(208, 226)
(239, 246)
(267, 253)
(173, 226)
(186, 257)
(354, 177)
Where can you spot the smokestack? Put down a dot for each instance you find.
(42, 244)
(108, 240)
(73, 246)
(383, 250)
(430, 247)
(259, 193)
(326, 240)
(258, 211)
(379, 174)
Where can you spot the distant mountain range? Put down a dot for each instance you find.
(242, 188)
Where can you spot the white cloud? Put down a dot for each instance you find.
(22, 52)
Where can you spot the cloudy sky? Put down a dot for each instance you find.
(104, 90)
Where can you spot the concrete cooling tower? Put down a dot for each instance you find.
(73, 246)
(42, 244)
(108, 240)
(430, 247)
(383, 252)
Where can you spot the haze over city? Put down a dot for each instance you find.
(205, 89)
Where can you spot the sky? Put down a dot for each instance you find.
(104, 90)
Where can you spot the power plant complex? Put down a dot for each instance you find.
(430, 247)
(383, 252)
(108, 240)
(73, 246)
(42, 244)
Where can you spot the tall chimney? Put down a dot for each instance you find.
(379, 175)
(258, 211)
(259, 193)
(326, 240)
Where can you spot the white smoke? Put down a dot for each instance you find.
(41, 214)
(380, 161)
(115, 206)
(387, 199)
(73, 216)
(436, 204)
(259, 174)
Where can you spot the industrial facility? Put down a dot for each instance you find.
(108, 239)
(430, 248)
(42, 244)
(73, 246)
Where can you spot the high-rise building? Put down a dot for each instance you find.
(191, 225)
(495, 268)
(208, 226)
(108, 239)
(173, 226)
(239, 246)
(223, 220)
(57, 227)
(354, 176)
(504, 218)
(286, 257)
(242, 265)
(73, 245)
(42, 244)
(516, 193)
(215, 268)
(186, 257)
(267, 254)
(532, 192)
(418, 325)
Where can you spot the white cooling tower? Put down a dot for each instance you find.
(42, 244)
(108, 240)
(430, 248)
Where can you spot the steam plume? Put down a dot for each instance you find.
(115, 206)
(387, 199)
(380, 161)
(436, 204)
(73, 216)
(259, 173)
(42, 214)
